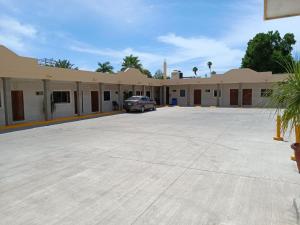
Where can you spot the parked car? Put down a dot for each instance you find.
(139, 103)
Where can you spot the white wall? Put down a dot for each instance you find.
(225, 99)
(107, 105)
(33, 103)
(87, 98)
(2, 113)
(64, 109)
(257, 100)
(175, 93)
(207, 98)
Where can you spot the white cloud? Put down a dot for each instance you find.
(203, 49)
(14, 34)
(119, 12)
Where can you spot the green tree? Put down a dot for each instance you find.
(65, 64)
(213, 72)
(195, 70)
(131, 62)
(105, 67)
(158, 75)
(209, 64)
(146, 72)
(265, 50)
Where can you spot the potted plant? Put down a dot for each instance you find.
(286, 98)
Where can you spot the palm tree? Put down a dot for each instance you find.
(209, 64)
(286, 96)
(131, 62)
(64, 64)
(105, 67)
(195, 69)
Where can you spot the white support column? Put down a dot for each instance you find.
(100, 86)
(240, 95)
(219, 93)
(144, 90)
(152, 93)
(188, 95)
(79, 98)
(120, 102)
(7, 101)
(47, 100)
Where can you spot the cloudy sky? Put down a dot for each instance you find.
(186, 33)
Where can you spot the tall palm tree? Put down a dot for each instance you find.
(131, 62)
(209, 64)
(195, 69)
(64, 64)
(105, 67)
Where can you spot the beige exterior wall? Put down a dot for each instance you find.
(33, 103)
(2, 113)
(175, 93)
(64, 109)
(87, 88)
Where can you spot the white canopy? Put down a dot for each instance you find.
(281, 8)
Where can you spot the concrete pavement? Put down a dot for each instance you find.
(212, 166)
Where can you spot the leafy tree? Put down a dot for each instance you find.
(146, 72)
(266, 50)
(158, 75)
(213, 72)
(65, 64)
(209, 64)
(195, 69)
(105, 67)
(131, 62)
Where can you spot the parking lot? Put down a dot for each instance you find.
(210, 166)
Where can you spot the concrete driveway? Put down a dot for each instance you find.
(178, 166)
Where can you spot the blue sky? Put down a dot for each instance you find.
(186, 33)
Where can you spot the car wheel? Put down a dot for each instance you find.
(143, 109)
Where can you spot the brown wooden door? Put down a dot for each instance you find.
(95, 101)
(247, 96)
(17, 103)
(75, 102)
(234, 96)
(197, 97)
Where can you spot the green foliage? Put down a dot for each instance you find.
(131, 62)
(105, 67)
(265, 50)
(134, 62)
(286, 95)
(146, 72)
(213, 72)
(64, 64)
(195, 70)
(158, 75)
(209, 64)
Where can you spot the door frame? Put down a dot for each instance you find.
(94, 101)
(236, 100)
(200, 96)
(17, 104)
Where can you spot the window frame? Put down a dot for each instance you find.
(184, 93)
(68, 97)
(219, 93)
(105, 99)
(266, 92)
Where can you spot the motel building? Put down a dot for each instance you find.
(32, 92)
